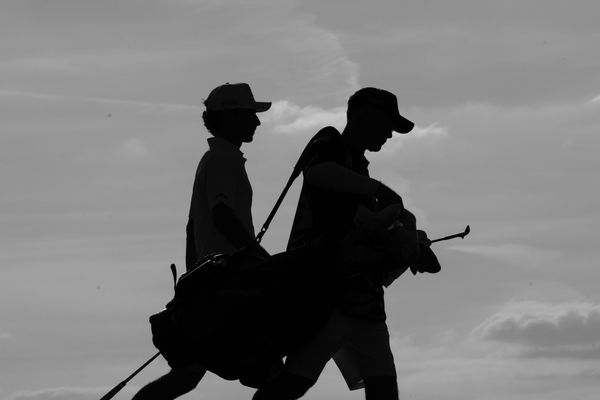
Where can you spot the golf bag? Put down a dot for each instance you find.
(239, 315)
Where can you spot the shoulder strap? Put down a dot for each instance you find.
(305, 156)
(327, 133)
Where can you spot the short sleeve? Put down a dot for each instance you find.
(221, 181)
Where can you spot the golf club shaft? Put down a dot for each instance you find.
(121, 385)
(456, 235)
(460, 235)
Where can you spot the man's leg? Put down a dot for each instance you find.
(286, 386)
(368, 350)
(173, 384)
(303, 366)
(381, 388)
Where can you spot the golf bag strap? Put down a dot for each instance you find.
(302, 160)
(276, 207)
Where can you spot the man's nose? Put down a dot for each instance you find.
(256, 120)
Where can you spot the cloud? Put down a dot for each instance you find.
(429, 130)
(289, 118)
(595, 100)
(453, 52)
(133, 148)
(36, 96)
(432, 131)
(11, 95)
(174, 51)
(60, 393)
(511, 253)
(451, 365)
(557, 330)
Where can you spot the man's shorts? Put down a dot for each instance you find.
(359, 347)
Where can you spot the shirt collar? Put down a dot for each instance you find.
(220, 145)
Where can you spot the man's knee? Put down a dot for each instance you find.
(286, 386)
(381, 388)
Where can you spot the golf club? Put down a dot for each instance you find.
(121, 385)
(456, 235)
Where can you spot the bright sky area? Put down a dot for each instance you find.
(101, 132)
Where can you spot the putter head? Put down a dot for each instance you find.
(466, 232)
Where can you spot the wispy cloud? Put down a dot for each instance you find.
(452, 365)
(434, 130)
(60, 393)
(169, 50)
(133, 148)
(431, 133)
(98, 100)
(513, 254)
(562, 329)
(289, 118)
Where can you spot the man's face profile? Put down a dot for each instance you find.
(241, 122)
(375, 126)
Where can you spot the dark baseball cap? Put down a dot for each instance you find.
(234, 95)
(385, 101)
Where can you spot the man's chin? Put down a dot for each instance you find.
(375, 148)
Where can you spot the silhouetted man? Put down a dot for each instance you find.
(336, 184)
(220, 219)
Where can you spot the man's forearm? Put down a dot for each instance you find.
(334, 177)
(230, 227)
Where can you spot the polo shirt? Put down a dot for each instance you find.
(328, 214)
(220, 178)
(320, 211)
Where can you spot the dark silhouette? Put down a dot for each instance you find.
(220, 219)
(239, 314)
(238, 311)
(377, 241)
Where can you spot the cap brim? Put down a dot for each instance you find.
(262, 106)
(403, 125)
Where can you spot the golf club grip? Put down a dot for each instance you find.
(114, 391)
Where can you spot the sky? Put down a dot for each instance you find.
(101, 132)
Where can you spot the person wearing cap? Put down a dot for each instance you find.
(336, 184)
(220, 219)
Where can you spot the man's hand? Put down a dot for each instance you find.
(422, 238)
(387, 196)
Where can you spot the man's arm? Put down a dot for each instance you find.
(230, 227)
(227, 224)
(336, 178)
(191, 256)
(234, 232)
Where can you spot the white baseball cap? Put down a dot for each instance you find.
(234, 95)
